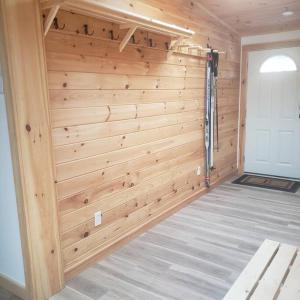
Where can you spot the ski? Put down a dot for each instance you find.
(210, 110)
(208, 119)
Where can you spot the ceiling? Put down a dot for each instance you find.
(250, 17)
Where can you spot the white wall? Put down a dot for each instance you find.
(269, 38)
(11, 260)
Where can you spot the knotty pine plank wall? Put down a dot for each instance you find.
(128, 127)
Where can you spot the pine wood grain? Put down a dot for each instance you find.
(127, 127)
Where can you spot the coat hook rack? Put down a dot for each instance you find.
(200, 48)
(126, 20)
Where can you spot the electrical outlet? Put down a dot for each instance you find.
(98, 218)
(198, 171)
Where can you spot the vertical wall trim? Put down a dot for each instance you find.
(26, 93)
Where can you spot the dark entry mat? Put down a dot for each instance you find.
(268, 183)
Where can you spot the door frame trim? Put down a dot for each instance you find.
(243, 91)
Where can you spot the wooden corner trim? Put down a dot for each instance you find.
(25, 86)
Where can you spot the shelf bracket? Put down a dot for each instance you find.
(127, 37)
(51, 15)
(173, 45)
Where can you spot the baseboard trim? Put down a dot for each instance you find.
(69, 274)
(12, 286)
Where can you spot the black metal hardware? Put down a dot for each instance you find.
(56, 26)
(86, 30)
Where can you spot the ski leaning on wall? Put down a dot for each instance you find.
(210, 111)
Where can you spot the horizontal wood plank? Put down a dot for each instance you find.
(108, 113)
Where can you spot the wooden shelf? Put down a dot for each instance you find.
(126, 19)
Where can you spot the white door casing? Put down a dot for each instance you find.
(272, 143)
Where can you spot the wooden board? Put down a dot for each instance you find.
(272, 273)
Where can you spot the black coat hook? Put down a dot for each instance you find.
(151, 43)
(86, 30)
(56, 26)
(112, 37)
(133, 39)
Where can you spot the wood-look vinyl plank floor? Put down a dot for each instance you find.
(198, 252)
(195, 254)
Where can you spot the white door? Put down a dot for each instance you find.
(273, 114)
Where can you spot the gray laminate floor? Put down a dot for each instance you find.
(196, 253)
(5, 295)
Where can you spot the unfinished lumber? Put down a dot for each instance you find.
(272, 273)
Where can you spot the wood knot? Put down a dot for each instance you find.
(75, 249)
(86, 201)
(86, 234)
(127, 86)
(28, 127)
(52, 251)
(65, 84)
(131, 184)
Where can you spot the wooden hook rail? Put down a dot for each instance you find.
(200, 48)
(126, 19)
